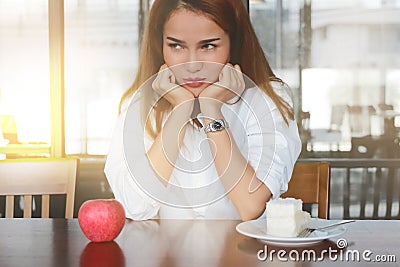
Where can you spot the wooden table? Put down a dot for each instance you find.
(60, 242)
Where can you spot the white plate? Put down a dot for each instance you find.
(258, 229)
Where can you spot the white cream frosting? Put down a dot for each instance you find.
(285, 217)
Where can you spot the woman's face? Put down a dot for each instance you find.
(198, 42)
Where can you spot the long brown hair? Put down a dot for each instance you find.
(232, 17)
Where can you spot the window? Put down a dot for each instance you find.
(333, 54)
(98, 64)
(24, 78)
(101, 55)
(342, 52)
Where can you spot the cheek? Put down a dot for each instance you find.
(172, 58)
(221, 57)
(213, 70)
(172, 64)
(168, 58)
(179, 74)
(224, 55)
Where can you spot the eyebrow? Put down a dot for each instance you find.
(206, 41)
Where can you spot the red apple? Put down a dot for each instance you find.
(101, 220)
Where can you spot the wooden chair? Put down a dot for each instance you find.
(310, 183)
(44, 176)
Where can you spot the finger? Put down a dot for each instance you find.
(225, 79)
(163, 67)
(233, 79)
(161, 84)
(172, 78)
(240, 84)
(167, 80)
(237, 67)
(161, 72)
(168, 77)
(156, 82)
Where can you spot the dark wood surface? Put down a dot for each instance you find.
(60, 242)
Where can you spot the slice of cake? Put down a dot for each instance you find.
(285, 217)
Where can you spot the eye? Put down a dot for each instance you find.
(208, 47)
(175, 46)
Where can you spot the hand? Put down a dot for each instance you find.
(231, 83)
(165, 86)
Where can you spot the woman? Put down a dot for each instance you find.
(201, 139)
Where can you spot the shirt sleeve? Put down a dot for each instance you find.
(138, 205)
(273, 145)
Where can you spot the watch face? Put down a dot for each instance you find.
(218, 125)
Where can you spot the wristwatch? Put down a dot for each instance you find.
(216, 126)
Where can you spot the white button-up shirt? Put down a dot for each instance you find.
(194, 190)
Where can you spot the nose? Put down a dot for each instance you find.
(194, 66)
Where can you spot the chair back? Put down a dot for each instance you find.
(44, 176)
(310, 182)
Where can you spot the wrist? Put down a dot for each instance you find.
(211, 116)
(183, 106)
(182, 112)
(211, 110)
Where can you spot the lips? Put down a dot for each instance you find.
(194, 82)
